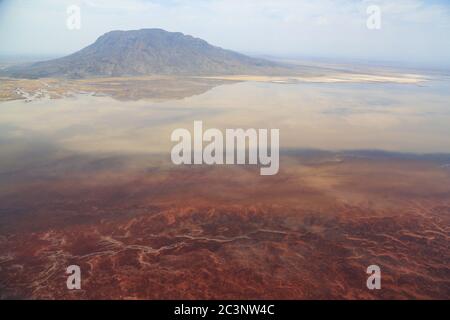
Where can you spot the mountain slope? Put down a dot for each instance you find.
(147, 52)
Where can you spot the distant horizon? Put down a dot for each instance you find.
(13, 58)
(413, 32)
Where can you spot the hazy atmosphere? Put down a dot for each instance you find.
(134, 151)
(414, 32)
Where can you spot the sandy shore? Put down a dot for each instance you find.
(170, 87)
(332, 78)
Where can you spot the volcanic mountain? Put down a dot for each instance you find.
(148, 52)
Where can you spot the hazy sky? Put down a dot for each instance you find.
(412, 31)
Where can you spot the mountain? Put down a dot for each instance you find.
(147, 52)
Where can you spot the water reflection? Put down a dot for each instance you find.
(401, 118)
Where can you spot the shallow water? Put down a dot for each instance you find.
(79, 184)
(400, 118)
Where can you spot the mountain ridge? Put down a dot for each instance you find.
(148, 52)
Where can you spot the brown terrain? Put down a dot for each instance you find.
(161, 88)
(142, 229)
(121, 88)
